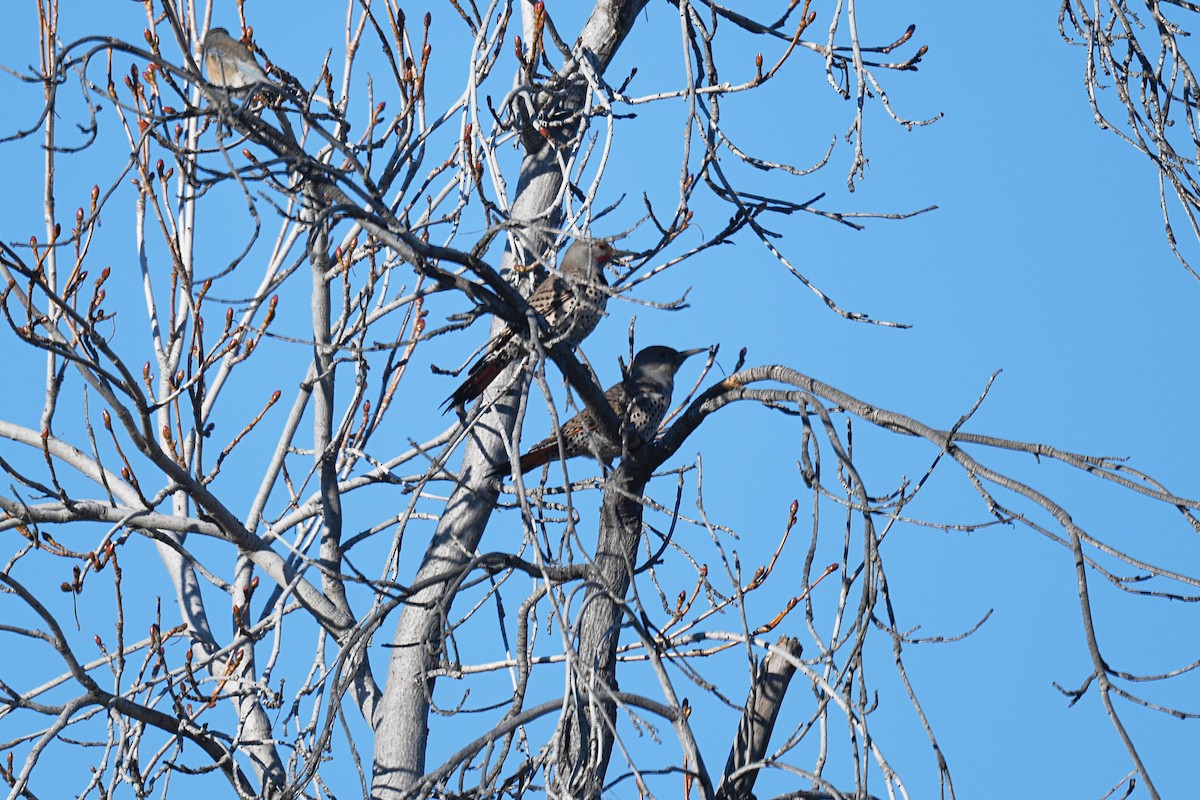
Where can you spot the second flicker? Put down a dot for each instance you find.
(640, 401)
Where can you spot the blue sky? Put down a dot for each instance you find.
(1045, 259)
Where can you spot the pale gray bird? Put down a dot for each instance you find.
(231, 64)
(640, 402)
(572, 304)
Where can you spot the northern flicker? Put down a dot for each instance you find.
(640, 402)
(571, 303)
(230, 64)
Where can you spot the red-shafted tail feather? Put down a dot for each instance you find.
(539, 456)
(479, 378)
(547, 450)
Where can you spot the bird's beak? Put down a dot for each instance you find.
(619, 256)
(686, 354)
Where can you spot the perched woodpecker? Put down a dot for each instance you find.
(571, 302)
(640, 402)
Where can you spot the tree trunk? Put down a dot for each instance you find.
(401, 726)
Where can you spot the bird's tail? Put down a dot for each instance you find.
(540, 455)
(478, 379)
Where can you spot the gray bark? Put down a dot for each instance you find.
(401, 725)
(758, 720)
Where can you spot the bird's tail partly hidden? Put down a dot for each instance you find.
(479, 378)
(539, 456)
